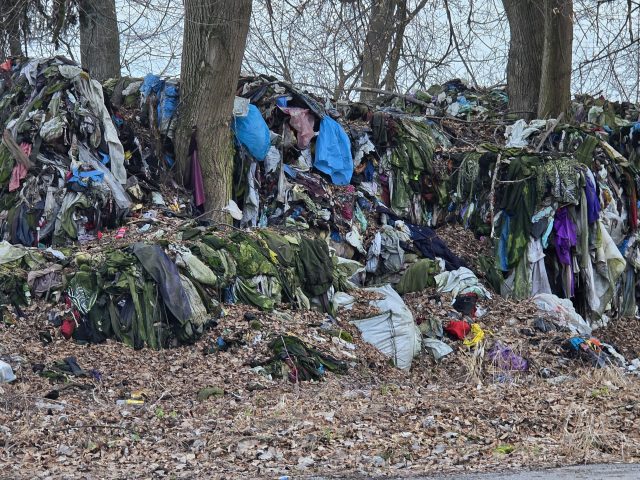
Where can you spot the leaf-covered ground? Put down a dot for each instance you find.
(462, 415)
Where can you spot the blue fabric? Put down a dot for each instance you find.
(83, 177)
(364, 203)
(504, 242)
(252, 132)
(369, 170)
(576, 342)
(593, 202)
(289, 170)
(623, 246)
(333, 152)
(547, 233)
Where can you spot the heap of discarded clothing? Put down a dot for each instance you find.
(302, 165)
(70, 166)
(162, 293)
(564, 219)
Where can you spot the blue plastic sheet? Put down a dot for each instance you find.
(333, 152)
(168, 96)
(167, 105)
(151, 84)
(252, 132)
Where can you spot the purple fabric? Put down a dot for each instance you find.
(196, 180)
(593, 202)
(506, 359)
(566, 236)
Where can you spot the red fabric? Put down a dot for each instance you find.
(458, 329)
(6, 66)
(67, 327)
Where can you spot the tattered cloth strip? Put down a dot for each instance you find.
(196, 182)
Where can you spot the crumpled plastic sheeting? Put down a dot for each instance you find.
(393, 332)
(459, 282)
(518, 133)
(562, 312)
(252, 132)
(438, 348)
(302, 121)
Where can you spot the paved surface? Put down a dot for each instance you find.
(578, 472)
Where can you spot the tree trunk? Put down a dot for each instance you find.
(376, 45)
(12, 11)
(555, 84)
(390, 81)
(99, 38)
(524, 66)
(215, 35)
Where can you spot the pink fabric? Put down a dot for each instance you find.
(19, 172)
(196, 180)
(26, 148)
(302, 121)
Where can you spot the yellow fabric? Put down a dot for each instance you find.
(478, 336)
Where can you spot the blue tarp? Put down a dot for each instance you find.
(168, 96)
(252, 132)
(167, 105)
(333, 152)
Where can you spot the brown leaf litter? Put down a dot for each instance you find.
(461, 415)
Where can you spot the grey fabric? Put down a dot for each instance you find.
(166, 275)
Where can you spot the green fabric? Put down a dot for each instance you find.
(251, 258)
(314, 266)
(197, 269)
(280, 245)
(306, 362)
(6, 165)
(401, 194)
(222, 263)
(83, 291)
(247, 293)
(418, 276)
(519, 201)
(71, 202)
(487, 266)
(584, 153)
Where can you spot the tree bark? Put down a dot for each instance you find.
(376, 45)
(12, 11)
(390, 81)
(99, 38)
(524, 65)
(555, 84)
(215, 35)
